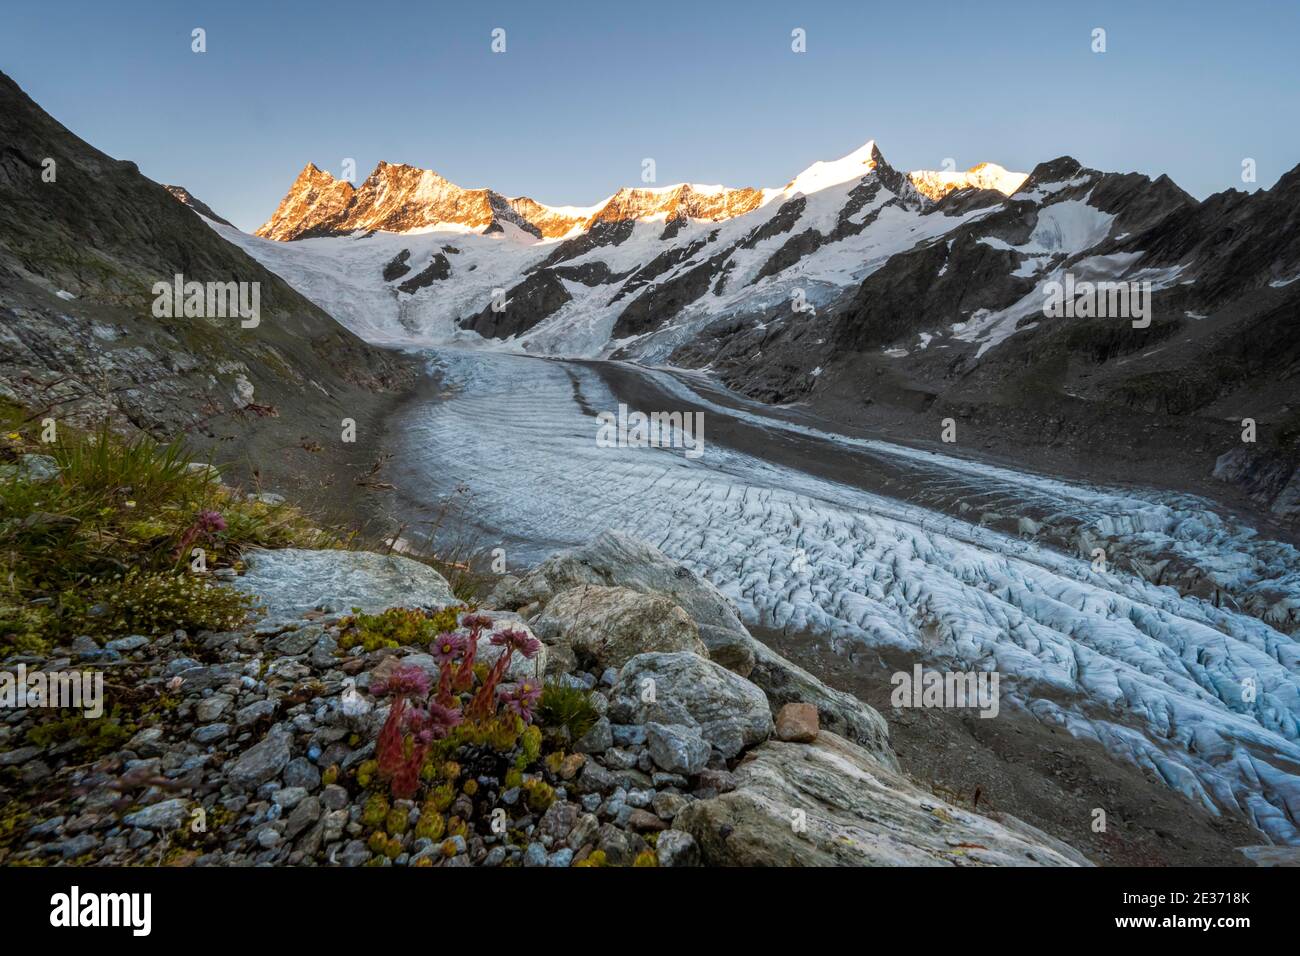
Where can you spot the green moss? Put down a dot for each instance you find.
(396, 627)
(396, 821)
(366, 773)
(431, 824)
(375, 810)
(539, 794)
(442, 797)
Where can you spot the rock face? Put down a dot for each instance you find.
(852, 812)
(291, 581)
(618, 559)
(66, 328)
(725, 709)
(606, 626)
(1269, 477)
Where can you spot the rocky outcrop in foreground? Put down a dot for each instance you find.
(256, 745)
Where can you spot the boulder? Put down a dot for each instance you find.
(683, 688)
(292, 581)
(619, 560)
(831, 803)
(615, 559)
(605, 626)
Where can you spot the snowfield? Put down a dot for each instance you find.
(1158, 678)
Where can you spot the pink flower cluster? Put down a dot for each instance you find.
(422, 713)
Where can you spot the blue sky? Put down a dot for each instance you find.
(711, 91)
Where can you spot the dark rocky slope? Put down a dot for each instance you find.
(79, 256)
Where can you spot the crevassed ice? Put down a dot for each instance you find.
(1155, 677)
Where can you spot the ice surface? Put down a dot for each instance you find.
(1156, 677)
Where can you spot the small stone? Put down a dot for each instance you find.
(677, 848)
(557, 821)
(47, 828)
(495, 857)
(23, 754)
(83, 844)
(560, 858)
(639, 798)
(259, 710)
(615, 844)
(594, 779)
(288, 797)
(211, 733)
(629, 735)
(125, 645)
(584, 829)
(210, 708)
(617, 758)
(300, 772)
(334, 797)
(167, 815)
(596, 740)
(797, 723)
(677, 748)
(535, 855)
(304, 815)
(646, 821)
(354, 854)
(570, 766)
(261, 763)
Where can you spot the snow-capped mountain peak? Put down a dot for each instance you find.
(935, 184)
(823, 174)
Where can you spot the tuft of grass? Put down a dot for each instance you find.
(107, 546)
(568, 707)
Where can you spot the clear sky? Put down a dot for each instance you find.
(710, 90)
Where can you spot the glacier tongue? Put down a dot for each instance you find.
(1154, 676)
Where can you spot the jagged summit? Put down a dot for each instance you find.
(935, 184)
(401, 198)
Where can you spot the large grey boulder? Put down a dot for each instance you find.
(605, 626)
(831, 803)
(291, 581)
(683, 688)
(614, 559)
(617, 559)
